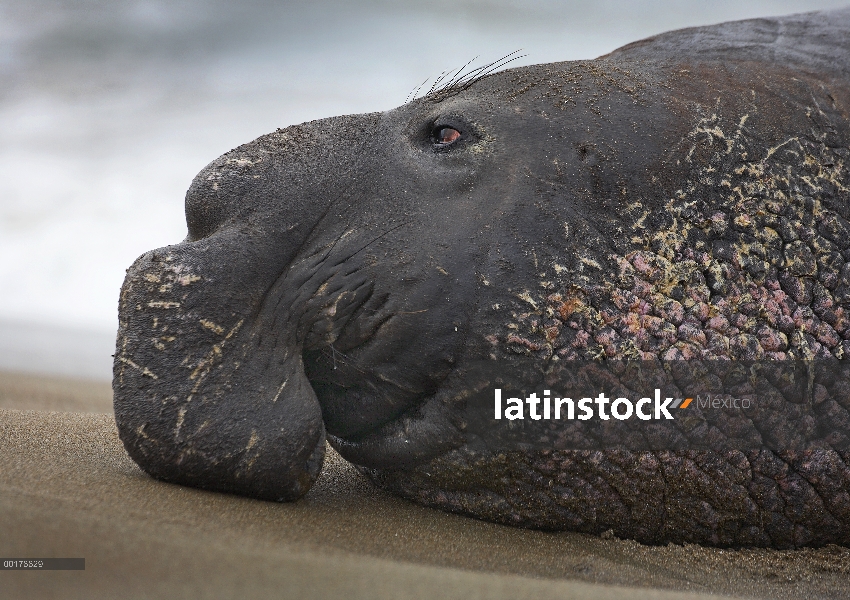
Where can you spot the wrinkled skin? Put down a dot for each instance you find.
(686, 197)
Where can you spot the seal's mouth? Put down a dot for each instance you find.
(419, 435)
(357, 395)
(380, 413)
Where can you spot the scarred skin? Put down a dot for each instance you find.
(684, 198)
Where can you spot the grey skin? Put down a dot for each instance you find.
(684, 198)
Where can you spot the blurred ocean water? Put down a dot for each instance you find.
(109, 108)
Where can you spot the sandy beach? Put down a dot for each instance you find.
(67, 489)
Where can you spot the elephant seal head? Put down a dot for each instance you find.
(684, 198)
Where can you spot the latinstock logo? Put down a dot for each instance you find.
(601, 407)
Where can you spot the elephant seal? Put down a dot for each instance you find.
(675, 213)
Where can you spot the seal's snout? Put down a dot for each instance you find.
(209, 383)
(205, 395)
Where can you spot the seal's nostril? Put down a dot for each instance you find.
(203, 215)
(206, 202)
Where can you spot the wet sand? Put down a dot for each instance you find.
(67, 489)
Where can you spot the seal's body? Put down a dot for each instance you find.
(683, 199)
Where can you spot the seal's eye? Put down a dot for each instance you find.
(443, 136)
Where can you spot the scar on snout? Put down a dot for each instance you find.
(205, 364)
(212, 326)
(187, 279)
(163, 304)
(144, 370)
(280, 390)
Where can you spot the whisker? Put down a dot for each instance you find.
(438, 80)
(461, 80)
(459, 71)
(375, 239)
(412, 94)
(344, 359)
